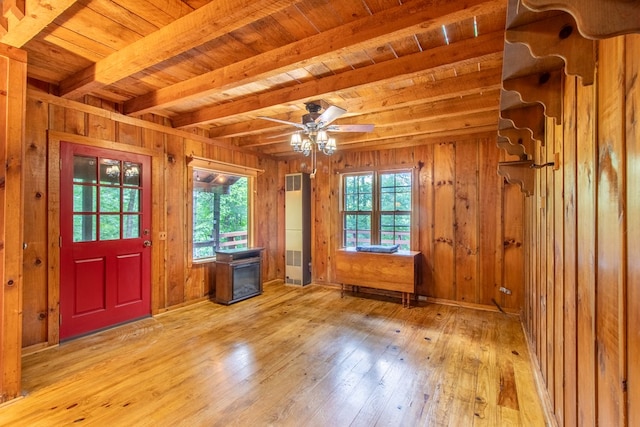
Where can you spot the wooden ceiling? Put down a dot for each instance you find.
(417, 69)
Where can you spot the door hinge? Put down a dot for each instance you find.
(59, 241)
(60, 164)
(60, 319)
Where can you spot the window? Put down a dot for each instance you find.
(221, 212)
(377, 208)
(106, 199)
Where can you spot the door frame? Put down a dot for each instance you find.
(53, 206)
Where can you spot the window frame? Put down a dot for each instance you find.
(376, 211)
(196, 163)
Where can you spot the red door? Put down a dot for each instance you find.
(105, 255)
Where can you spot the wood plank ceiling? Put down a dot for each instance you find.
(416, 69)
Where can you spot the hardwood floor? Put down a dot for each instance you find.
(302, 357)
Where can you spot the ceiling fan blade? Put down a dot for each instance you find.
(329, 115)
(298, 125)
(350, 128)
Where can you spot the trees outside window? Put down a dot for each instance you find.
(376, 208)
(221, 206)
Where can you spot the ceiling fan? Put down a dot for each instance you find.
(314, 121)
(314, 127)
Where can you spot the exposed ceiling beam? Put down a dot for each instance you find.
(203, 24)
(413, 140)
(433, 92)
(427, 111)
(463, 52)
(369, 32)
(460, 125)
(37, 15)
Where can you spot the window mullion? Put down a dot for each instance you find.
(375, 214)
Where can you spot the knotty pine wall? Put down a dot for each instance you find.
(175, 281)
(582, 292)
(470, 220)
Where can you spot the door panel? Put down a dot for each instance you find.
(129, 270)
(105, 200)
(89, 286)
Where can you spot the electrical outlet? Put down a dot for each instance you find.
(162, 235)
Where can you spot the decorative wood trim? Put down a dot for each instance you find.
(596, 19)
(558, 36)
(201, 162)
(96, 142)
(544, 87)
(517, 138)
(513, 149)
(520, 173)
(529, 117)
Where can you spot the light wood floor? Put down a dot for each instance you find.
(299, 357)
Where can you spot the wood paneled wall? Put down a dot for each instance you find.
(470, 221)
(582, 294)
(175, 280)
(13, 72)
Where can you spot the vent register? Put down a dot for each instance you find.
(298, 229)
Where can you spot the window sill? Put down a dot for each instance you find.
(204, 260)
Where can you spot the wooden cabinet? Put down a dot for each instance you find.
(238, 274)
(392, 272)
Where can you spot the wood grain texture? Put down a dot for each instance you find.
(35, 303)
(466, 222)
(444, 217)
(391, 272)
(586, 189)
(490, 226)
(13, 74)
(632, 90)
(585, 266)
(556, 147)
(570, 268)
(611, 286)
(267, 361)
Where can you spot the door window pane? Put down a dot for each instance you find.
(109, 227)
(131, 201)
(109, 199)
(131, 173)
(84, 169)
(131, 226)
(110, 171)
(84, 198)
(84, 228)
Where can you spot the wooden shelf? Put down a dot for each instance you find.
(596, 19)
(520, 173)
(543, 38)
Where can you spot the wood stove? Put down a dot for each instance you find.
(238, 274)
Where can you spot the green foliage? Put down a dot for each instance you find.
(231, 204)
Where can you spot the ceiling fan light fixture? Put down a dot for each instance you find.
(306, 147)
(330, 148)
(321, 139)
(296, 141)
(314, 128)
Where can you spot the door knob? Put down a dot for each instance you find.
(147, 243)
